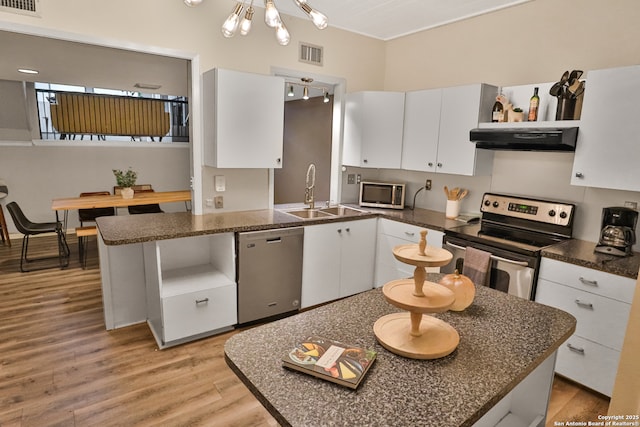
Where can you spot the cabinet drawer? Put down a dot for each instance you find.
(600, 319)
(197, 312)
(588, 363)
(400, 230)
(589, 280)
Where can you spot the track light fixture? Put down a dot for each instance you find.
(306, 83)
(271, 18)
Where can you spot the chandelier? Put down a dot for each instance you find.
(271, 18)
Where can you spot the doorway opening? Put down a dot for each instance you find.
(312, 135)
(307, 140)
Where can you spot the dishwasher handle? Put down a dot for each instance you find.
(493, 257)
(274, 240)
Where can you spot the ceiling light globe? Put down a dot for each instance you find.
(282, 35)
(271, 15)
(230, 26)
(245, 24)
(319, 19)
(192, 3)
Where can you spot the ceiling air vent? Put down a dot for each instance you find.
(19, 6)
(311, 54)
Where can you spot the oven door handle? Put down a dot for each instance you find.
(493, 257)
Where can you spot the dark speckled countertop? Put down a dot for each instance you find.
(127, 229)
(496, 352)
(581, 253)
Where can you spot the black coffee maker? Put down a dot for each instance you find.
(618, 232)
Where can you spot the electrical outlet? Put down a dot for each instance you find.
(351, 178)
(219, 202)
(427, 185)
(358, 179)
(209, 203)
(632, 205)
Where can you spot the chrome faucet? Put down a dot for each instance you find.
(310, 183)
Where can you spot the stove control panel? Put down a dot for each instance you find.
(557, 213)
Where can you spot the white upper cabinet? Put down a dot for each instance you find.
(436, 130)
(608, 146)
(243, 119)
(421, 130)
(373, 129)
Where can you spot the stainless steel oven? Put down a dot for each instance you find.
(513, 230)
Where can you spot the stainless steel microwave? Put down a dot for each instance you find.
(382, 194)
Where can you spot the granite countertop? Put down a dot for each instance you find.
(581, 253)
(127, 229)
(496, 352)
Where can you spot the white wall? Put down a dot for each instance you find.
(161, 26)
(531, 43)
(37, 174)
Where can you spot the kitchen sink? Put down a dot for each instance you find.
(341, 211)
(309, 213)
(335, 211)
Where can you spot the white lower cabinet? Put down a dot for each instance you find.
(338, 260)
(191, 290)
(601, 303)
(391, 234)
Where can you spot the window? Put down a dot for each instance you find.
(81, 113)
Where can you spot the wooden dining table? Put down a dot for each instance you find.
(117, 201)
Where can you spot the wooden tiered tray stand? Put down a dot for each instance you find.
(412, 334)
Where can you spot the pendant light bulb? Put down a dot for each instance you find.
(282, 34)
(305, 93)
(230, 26)
(245, 25)
(271, 15)
(318, 18)
(290, 93)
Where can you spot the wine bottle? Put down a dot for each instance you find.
(534, 103)
(497, 113)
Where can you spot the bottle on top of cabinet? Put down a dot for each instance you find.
(534, 103)
(497, 112)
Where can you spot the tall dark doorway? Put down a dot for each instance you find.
(307, 139)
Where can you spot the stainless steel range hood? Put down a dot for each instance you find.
(525, 139)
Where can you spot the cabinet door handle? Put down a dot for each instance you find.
(347, 229)
(430, 164)
(578, 350)
(278, 160)
(588, 282)
(439, 165)
(202, 301)
(365, 161)
(584, 304)
(579, 175)
(409, 233)
(339, 230)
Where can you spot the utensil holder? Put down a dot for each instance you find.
(566, 108)
(453, 209)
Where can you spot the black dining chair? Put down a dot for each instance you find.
(143, 209)
(90, 215)
(29, 228)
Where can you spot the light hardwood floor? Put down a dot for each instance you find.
(60, 367)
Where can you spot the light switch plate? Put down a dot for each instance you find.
(220, 183)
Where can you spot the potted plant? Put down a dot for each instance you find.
(126, 180)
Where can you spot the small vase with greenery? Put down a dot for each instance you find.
(126, 180)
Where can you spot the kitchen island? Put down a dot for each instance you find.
(500, 374)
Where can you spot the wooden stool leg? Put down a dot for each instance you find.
(3, 226)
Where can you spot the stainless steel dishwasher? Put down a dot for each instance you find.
(269, 273)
